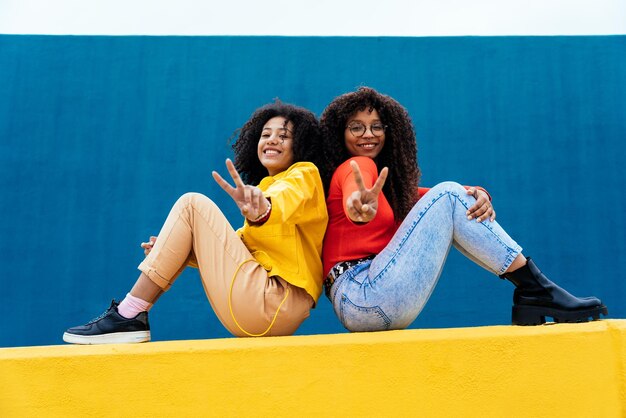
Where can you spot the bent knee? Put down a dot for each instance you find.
(449, 187)
(195, 200)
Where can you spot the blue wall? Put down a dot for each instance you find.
(100, 135)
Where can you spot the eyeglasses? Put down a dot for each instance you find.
(358, 129)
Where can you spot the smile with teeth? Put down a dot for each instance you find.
(271, 152)
(369, 145)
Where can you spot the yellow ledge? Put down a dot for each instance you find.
(558, 370)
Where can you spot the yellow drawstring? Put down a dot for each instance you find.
(230, 304)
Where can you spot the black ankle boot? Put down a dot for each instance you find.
(536, 297)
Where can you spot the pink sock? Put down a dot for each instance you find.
(132, 306)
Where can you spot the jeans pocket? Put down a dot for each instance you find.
(357, 318)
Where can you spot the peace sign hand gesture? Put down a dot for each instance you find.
(362, 204)
(249, 199)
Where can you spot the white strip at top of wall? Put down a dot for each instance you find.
(314, 17)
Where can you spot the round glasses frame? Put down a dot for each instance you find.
(358, 129)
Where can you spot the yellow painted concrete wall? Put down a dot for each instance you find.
(564, 370)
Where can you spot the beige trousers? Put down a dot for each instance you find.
(196, 232)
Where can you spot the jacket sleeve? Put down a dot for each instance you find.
(289, 194)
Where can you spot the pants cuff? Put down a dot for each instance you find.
(154, 276)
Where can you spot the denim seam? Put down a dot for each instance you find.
(372, 309)
(510, 251)
(338, 282)
(406, 236)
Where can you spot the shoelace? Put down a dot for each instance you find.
(102, 315)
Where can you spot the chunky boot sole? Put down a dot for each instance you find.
(112, 338)
(536, 315)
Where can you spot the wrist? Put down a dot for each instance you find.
(485, 192)
(264, 216)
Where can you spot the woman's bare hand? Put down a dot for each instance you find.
(249, 199)
(147, 246)
(362, 204)
(482, 209)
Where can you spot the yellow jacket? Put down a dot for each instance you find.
(289, 243)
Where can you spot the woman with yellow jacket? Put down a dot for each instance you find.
(262, 279)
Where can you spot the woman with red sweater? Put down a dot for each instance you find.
(387, 240)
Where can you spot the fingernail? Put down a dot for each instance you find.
(469, 217)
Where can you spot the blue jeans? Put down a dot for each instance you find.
(389, 291)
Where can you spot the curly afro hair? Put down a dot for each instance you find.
(307, 140)
(399, 152)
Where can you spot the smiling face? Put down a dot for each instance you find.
(275, 148)
(371, 143)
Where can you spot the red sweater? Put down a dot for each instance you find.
(346, 240)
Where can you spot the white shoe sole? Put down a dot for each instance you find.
(112, 338)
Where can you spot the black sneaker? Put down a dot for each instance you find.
(111, 328)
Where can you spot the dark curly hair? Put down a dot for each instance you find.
(307, 140)
(399, 152)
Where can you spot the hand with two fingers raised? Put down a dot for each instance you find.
(362, 204)
(249, 199)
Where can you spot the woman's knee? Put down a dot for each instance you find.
(449, 187)
(195, 200)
